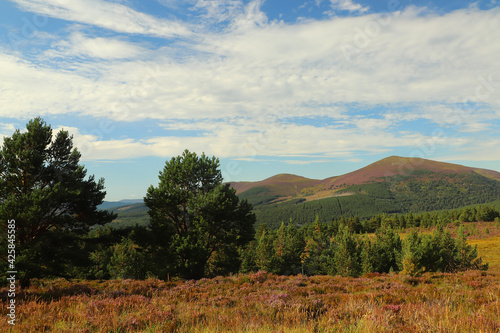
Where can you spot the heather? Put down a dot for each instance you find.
(264, 302)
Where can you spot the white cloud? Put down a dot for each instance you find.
(348, 5)
(219, 10)
(369, 124)
(476, 151)
(105, 14)
(7, 129)
(80, 45)
(249, 138)
(257, 73)
(277, 67)
(251, 17)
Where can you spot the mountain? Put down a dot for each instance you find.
(392, 185)
(406, 166)
(130, 213)
(284, 186)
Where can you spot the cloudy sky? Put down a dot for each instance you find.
(316, 88)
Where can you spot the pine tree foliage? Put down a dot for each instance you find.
(194, 216)
(48, 194)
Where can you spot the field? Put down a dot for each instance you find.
(261, 302)
(489, 249)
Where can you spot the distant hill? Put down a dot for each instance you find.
(392, 185)
(129, 214)
(394, 166)
(112, 204)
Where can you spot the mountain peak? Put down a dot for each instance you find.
(286, 177)
(397, 159)
(288, 184)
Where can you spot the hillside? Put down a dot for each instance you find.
(129, 215)
(388, 169)
(110, 205)
(394, 166)
(391, 185)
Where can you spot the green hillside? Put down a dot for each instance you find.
(392, 185)
(397, 195)
(130, 215)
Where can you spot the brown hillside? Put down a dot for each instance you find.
(287, 184)
(404, 166)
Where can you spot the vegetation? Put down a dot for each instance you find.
(321, 249)
(264, 302)
(45, 190)
(198, 223)
(129, 216)
(421, 192)
(372, 245)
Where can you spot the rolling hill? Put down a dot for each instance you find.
(129, 213)
(387, 169)
(115, 204)
(392, 185)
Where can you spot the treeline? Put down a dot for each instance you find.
(361, 224)
(425, 220)
(321, 249)
(340, 247)
(401, 194)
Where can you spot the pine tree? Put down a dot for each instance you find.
(366, 256)
(466, 255)
(346, 254)
(411, 255)
(46, 191)
(386, 249)
(266, 259)
(194, 216)
(127, 261)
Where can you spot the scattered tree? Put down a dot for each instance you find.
(194, 216)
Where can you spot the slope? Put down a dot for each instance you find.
(391, 185)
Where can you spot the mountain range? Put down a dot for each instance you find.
(391, 169)
(392, 185)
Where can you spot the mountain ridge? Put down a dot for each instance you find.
(375, 172)
(393, 185)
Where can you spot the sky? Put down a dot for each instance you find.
(316, 88)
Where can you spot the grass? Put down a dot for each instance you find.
(262, 302)
(484, 235)
(489, 250)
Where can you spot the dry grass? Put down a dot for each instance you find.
(489, 250)
(262, 302)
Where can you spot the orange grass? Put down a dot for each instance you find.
(489, 250)
(262, 302)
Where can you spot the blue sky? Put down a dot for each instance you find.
(316, 88)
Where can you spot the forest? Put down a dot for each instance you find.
(396, 195)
